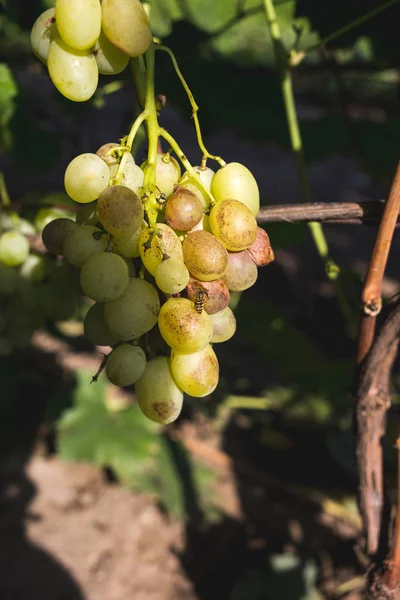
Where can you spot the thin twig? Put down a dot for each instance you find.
(347, 212)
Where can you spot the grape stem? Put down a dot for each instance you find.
(195, 109)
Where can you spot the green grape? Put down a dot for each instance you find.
(55, 233)
(35, 268)
(112, 159)
(168, 173)
(125, 365)
(196, 374)
(205, 176)
(104, 276)
(8, 280)
(183, 210)
(205, 257)
(87, 214)
(79, 22)
(134, 312)
(224, 325)
(86, 177)
(261, 250)
(126, 25)
(110, 60)
(235, 181)
(182, 327)
(73, 72)
(132, 177)
(120, 211)
(157, 393)
(233, 224)
(95, 327)
(241, 273)
(82, 242)
(41, 34)
(172, 276)
(127, 247)
(14, 248)
(46, 215)
(165, 242)
(217, 294)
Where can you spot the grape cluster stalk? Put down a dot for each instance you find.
(158, 250)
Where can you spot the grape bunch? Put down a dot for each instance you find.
(78, 39)
(161, 291)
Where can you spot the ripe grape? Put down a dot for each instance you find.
(8, 280)
(127, 247)
(157, 393)
(79, 22)
(168, 173)
(55, 233)
(261, 250)
(125, 365)
(154, 247)
(87, 214)
(235, 181)
(204, 256)
(126, 25)
(35, 268)
(233, 224)
(95, 327)
(184, 329)
(241, 273)
(172, 276)
(218, 295)
(132, 177)
(104, 276)
(14, 248)
(109, 58)
(82, 242)
(196, 374)
(224, 325)
(134, 312)
(183, 210)
(86, 177)
(110, 159)
(41, 34)
(73, 72)
(205, 175)
(120, 211)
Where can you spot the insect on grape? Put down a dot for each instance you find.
(200, 299)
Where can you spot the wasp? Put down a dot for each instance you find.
(200, 299)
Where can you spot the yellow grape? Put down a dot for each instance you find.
(205, 257)
(205, 176)
(95, 327)
(164, 242)
(233, 224)
(41, 34)
(109, 58)
(134, 312)
(86, 177)
(125, 365)
(120, 211)
(14, 248)
(126, 25)
(73, 72)
(196, 374)
(241, 273)
(182, 327)
(172, 276)
(224, 325)
(157, 393)
(132, 176)
(168, 173)
(104, 276)
(237, 182)
(79, 22)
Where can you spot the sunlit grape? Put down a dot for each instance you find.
(172, 276)
(120, 211)
(224, 325)
(233, 224)
(134, 312)
(157, 393)
(183, 210)
(41, 34)
(14, 248)
(112, 158)
(79, 22)
(241, 273)
(235, 181)
(82, 242)
(104, 276)
(154, 247)
(204, 256)
(217, 294)
(182, 327)
(55, 233)
(126, 25)
(109, 58)
(196, 374)
(86, 177)
(125, 365)
(168, 173)
(95, 327)
(132, 177)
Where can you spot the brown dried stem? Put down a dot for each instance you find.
(346, 212)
